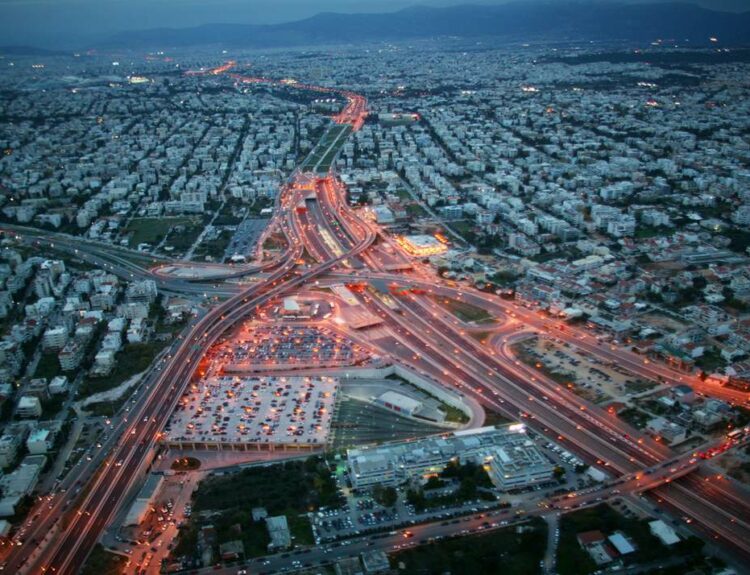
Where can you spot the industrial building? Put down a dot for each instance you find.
(518, 465)
(142, 504)
(512, 459)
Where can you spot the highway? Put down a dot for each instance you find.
(513, 389)
(713, 506)
(125, 466)
(326, 238)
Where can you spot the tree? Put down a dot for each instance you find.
(416, 498)
(386, 496)
(434, 482)
(467, 489)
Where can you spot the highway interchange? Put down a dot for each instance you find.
(329, 242)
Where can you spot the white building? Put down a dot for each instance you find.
(29, 407)
(136, 331)
(383, 215)
(399, 403)
(518, 466)
(71, 356)
(395, 463)
(140, 507)
(20, 483)
(55, 338)
(40, 441)
(58, 385)
(663, 532)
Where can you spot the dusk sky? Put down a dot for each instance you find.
(73, 23)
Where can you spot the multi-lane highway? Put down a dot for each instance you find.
(326, 237)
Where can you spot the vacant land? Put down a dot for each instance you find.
(584, 374)
(291, 488)
(214, 248)
(152, 230)
(465, 311)
(134, 358)
(48, 366)
(293, 485)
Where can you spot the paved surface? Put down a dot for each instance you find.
(246, 236)
(430, 341)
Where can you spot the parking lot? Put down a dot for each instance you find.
(283, 346)
(244, 238)
(239, 410)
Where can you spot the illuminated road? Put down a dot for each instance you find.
(327, 238)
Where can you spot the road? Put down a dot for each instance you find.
(325, 236)
(478, 523)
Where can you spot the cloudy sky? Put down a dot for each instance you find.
(73, 23)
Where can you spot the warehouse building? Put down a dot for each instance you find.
(399, 403)
(278, 531)
(142, 504)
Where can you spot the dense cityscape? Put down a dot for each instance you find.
(423, 306)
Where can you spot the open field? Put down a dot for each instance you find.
(465, 311)
(585, 375)
(152, 230)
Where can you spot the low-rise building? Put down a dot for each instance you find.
(278, 530)
(58, 385)
(518, 466)
(399, 403)
(375, 561)
(142, 504)
(663, 532)
(9, 444)
(71, 356)
(517, 461)
(20, 483)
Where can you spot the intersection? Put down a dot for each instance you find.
(330, 242)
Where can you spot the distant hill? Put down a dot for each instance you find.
(27, 51)
(515, 21)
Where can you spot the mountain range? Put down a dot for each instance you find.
(521, 21)
(515, 21)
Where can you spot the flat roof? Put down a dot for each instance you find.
(423, 240)
(400, 400)
(621, 543)
(663, 532)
